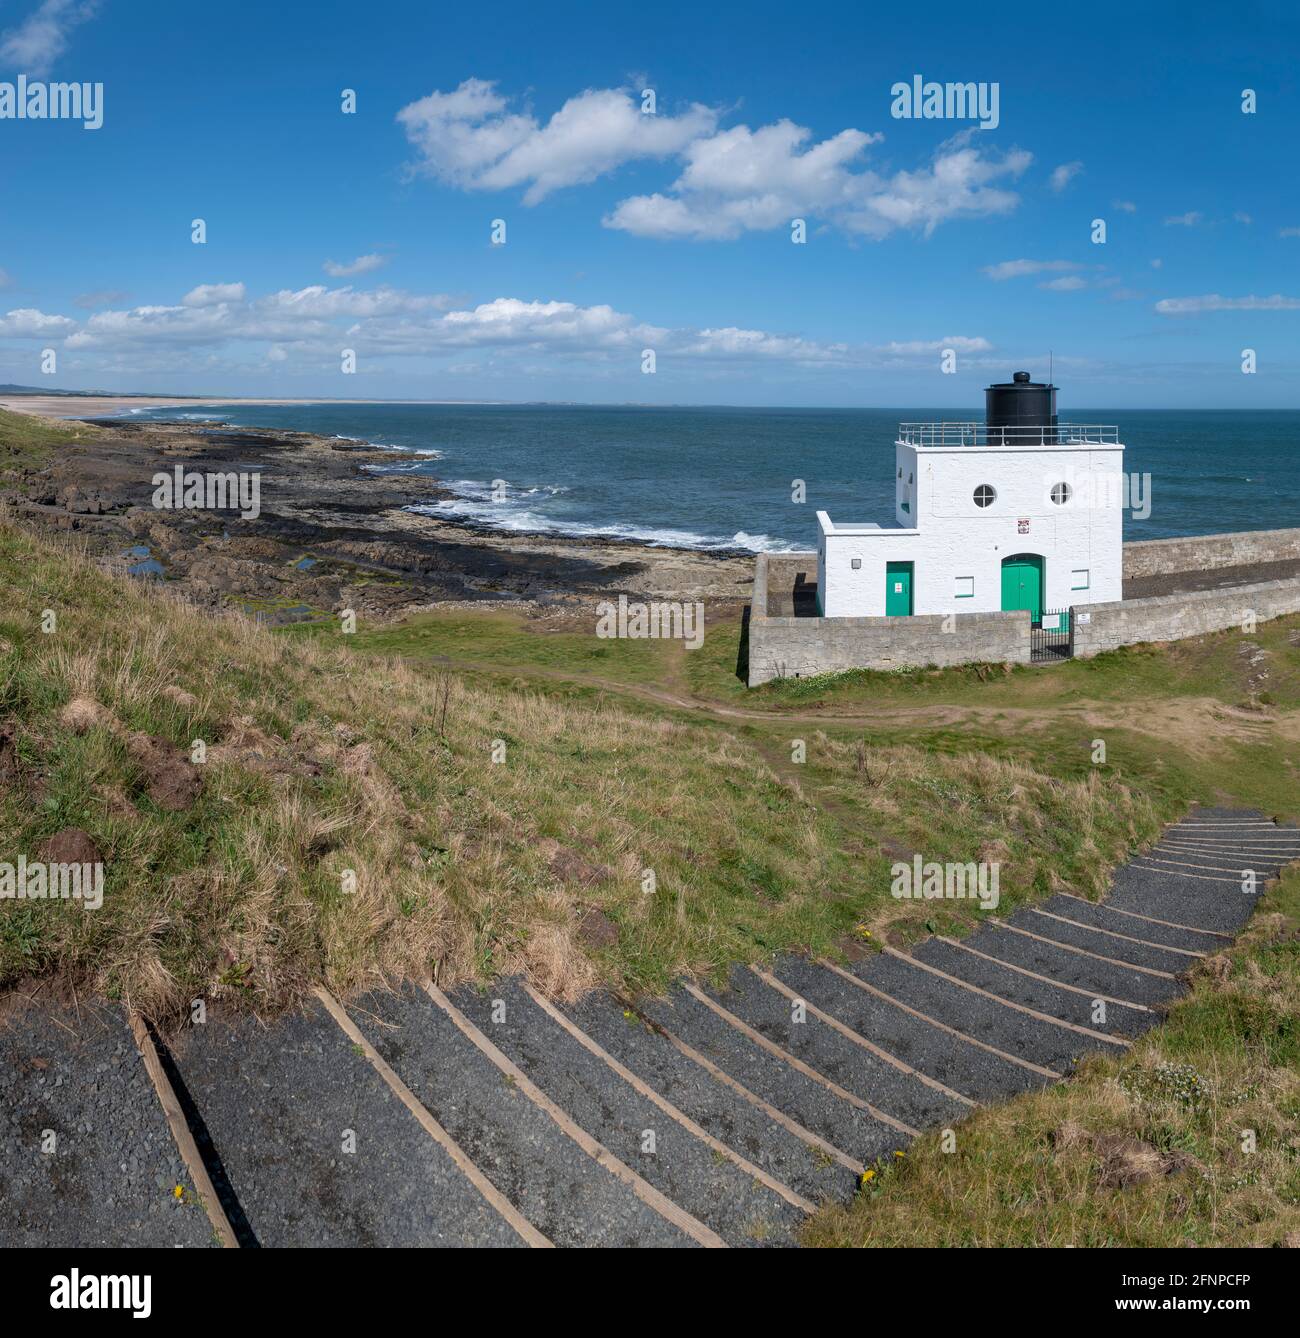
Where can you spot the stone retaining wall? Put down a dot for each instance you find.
(1174, 617)
(1158, 557)
(790, 647)
(784, 646)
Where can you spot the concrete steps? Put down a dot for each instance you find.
(713, 1117)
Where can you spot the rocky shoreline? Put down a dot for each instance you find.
(331, 533)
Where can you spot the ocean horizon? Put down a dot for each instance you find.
(721, 478)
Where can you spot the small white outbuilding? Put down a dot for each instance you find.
(1017, 512)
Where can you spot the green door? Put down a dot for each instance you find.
(898, 589)
(1022, 584)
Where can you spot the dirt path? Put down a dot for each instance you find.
(1193, 723)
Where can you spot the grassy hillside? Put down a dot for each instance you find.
(615, 838)
(348, 823)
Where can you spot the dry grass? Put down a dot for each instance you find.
(351, 824)
(1150, 1150)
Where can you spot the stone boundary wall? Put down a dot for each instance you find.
(789, 647)
(1158, 557)
(1174, 617)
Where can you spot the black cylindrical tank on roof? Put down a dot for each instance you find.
(1022, 408)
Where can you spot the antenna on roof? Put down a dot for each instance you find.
(1049, 366)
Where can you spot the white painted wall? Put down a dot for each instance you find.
(947, 537)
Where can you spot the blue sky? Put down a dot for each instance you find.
(669, 232)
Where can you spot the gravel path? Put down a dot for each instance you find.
(706, 1118)
(86, 1157)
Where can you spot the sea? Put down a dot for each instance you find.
(724, 478)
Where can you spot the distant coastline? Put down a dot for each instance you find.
(76, 404)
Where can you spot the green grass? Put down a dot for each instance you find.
(28, 442)
(503, 639)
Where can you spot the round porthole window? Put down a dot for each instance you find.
(1061, 493)
(985, 495)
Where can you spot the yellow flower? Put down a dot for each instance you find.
(179, 1191)
(899, 1154)
(868, 1176)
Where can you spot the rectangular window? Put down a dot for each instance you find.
(855, 563)
(907, 506)
(965, 587)
(1079, 579)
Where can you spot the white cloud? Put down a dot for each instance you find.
(320, 302)
(1068, 283)
(361, 265)
(1186, 306)
(218, 313)
(962, 344)
(733, 181)
(1018, 269)
(1242, 217)
(210, 294)
(1063, 175)
(1125, 206)
(1288, 232)
(311, 325)
(1188, 220)
(5, 280)
(1156, 263)
(731, 342)
(468, 138)
(27, 323)
(508, 320)
(36, 43)
(742, 180)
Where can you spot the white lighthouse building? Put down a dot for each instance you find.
(1017, 512)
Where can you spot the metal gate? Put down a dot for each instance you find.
(1051, 637)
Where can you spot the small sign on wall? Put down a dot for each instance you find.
(1022, 525)
(1083, 618)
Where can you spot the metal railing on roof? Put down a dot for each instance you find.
(980, 434)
